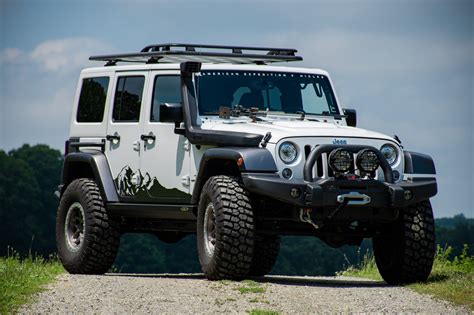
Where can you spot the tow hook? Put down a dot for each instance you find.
(305, 216)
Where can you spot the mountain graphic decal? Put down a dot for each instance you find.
(147, 187)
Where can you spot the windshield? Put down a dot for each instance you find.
(269, 91)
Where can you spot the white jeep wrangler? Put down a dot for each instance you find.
(212, 140)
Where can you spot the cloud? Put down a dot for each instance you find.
(40, 118)
(11, 55)
(60, 54)
(57, 55)
(373, 53)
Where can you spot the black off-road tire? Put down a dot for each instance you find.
(227, 203)
(405, 251)
(267, 248)
(101, 238)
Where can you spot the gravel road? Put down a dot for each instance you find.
(192, 294)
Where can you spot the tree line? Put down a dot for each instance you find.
(29, 176)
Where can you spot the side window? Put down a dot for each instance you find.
(167, 89)
(92, 99)
(128, 99)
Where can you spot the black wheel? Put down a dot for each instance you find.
(265, 255)
(225, 229)
(405, 252)
(87, 238)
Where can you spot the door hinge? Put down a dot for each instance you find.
(185, 180)
(186, 145)
(136, 146)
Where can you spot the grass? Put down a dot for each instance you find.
(450, 279)
(21, 278)
(250, 286)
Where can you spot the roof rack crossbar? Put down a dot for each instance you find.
(177, 52)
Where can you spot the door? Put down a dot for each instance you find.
(123, 133)
(165, 158)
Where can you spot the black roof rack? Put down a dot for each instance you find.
(177, 53)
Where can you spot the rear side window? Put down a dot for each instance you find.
(167, 89)
(128, 99)
(92, 99)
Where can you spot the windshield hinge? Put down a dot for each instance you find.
(265, 140)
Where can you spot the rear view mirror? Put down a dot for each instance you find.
(351, 117)
(171, 112)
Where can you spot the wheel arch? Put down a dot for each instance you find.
(232, 161)
(94, 165)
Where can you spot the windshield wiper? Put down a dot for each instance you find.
(325, 113)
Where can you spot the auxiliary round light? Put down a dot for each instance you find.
(288, 152)
(340, 160)
(367, 160)
(287, 173)
(390, 153)
(396, 175)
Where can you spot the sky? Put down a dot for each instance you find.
(407, 67)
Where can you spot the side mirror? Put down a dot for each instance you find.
(171, 112)
(351, 117)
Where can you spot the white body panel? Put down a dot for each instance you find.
(167, 159)
(287, 128)
(124, 155)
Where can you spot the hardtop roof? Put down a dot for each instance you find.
(205, 66)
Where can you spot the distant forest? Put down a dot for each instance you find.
(29, 176)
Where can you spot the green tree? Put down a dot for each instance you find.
(28, 177)
(455, 232)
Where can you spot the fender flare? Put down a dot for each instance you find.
(255, 160)
(100, 169)
(418, 163)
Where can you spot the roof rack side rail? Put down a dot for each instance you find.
(192, 47)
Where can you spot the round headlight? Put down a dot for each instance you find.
(340, 160)
(288, 152)
(367, 160)
(390, 153)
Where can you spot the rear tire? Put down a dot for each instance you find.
(225, 229)
(87, 238)
(405, 252)
(267, 248)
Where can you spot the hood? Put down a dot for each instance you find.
(293, 128)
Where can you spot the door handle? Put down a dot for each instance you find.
(148, 138)
(115, 138)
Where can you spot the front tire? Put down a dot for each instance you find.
(87, 238)
(405, 252)
(225, 229)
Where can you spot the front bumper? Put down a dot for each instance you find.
(334, 192)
